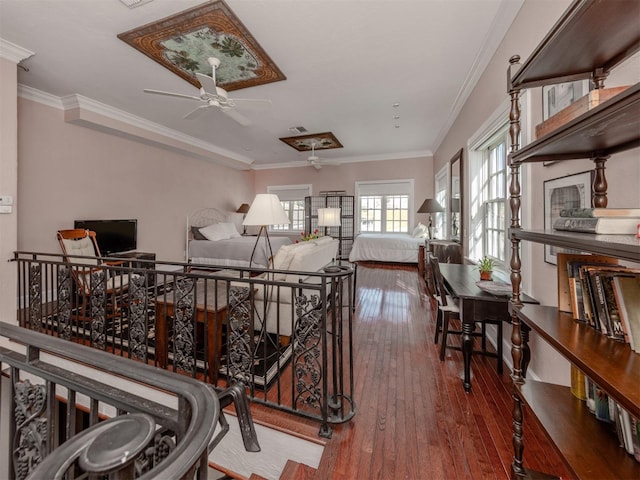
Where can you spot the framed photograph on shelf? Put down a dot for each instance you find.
(571, 191)
(559, 96)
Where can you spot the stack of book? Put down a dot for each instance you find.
(607, 410)
(605, 295)
(598, 291)
(621, 221)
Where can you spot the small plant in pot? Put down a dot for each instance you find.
(485, 265)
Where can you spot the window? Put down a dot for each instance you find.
(292, 200)
(384, 207)
(490, 205)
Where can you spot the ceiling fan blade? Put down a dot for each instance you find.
(253, 103)
(196, 113)
(241, 119)
(316, 165)
(171, 94)
(208, 83)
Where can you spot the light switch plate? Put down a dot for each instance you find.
(6, 209)
(6, 200)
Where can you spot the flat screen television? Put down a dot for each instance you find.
(113, 236)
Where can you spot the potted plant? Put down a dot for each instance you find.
(485, 265)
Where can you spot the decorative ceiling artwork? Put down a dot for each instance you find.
(183, 42)
(319, 141)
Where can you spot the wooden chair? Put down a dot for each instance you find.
(448, 310)
(81, 251)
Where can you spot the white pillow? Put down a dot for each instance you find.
(322, 240)
(282, 259)
(231, 229)
(420, 231)
(215, 232)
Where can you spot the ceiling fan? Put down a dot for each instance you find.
(315, 161)
(213, 96)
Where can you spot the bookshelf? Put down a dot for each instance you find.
(590, 39)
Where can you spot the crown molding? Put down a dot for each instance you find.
(499, 27)
(12, 52)
(39, 96)
(140, 129)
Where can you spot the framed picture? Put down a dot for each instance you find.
(184, 42)
(572, 191)
(559, 96)
(320, 141)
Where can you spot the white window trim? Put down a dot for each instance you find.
(486, 130)
(409, 181)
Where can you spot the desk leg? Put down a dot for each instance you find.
(468, 326)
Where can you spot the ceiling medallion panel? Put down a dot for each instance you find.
(319, 141)
(183, 43)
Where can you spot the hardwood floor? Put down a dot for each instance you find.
(414, 420)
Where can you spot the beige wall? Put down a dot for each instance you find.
(623, 171)
(8, 185)
(69, 172)
(344, 177)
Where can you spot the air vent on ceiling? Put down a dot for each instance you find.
(134, 3)
(297, 130)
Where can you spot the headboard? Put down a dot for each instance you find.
(201, 218)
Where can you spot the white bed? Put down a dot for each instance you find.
(225, 247)
(386, 247)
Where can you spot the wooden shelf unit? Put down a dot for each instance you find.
(591, 38)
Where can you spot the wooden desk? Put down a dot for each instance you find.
(213, 312)
(475, 304)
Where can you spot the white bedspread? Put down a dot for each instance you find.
(385, 247)
(234, 252)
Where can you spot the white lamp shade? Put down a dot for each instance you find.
(266, 209)
(328, 217)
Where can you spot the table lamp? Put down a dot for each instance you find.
(455, 211)
(330, 217)
(244, 208)
(265, 210)
(430, 206)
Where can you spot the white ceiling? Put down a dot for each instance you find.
(346, 62)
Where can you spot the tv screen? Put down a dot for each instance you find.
(113, 236)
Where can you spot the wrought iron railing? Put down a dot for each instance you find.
(287, 336)
(77, 411)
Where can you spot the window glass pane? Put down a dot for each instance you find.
(394, 217)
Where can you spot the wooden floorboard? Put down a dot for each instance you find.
(414, 420)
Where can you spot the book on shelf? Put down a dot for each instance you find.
(566, 279)
(624, 422)
(605, 305)
(635, 432)
(600, 212)
(574, 282)
(626, 291)
(600, 225)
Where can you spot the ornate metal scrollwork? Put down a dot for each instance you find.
(138, 308)
(35, 298)
(240, 353)
(307, 364)
(98, 313)
(64, 302)
(183, 341)
(30, 438)
(163, 444)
